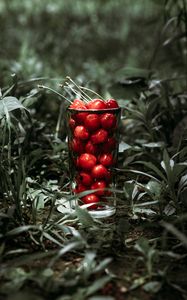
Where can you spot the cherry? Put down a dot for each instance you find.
(86, 161)
(91, 148)
(92, 122)
(80, 117)
(99, 172)
(77, 146)
(72, 123)
(80, 188)
(101, 185)
(85, 178)
(78, 104)
(81, 132)
(100, 136)
(106, 159)
(108, 121)
(91, 198)
(96, 104)
(109, 145)
(112, 103)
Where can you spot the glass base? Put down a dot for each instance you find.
(103, 212)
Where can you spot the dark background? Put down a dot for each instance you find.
(100, 40)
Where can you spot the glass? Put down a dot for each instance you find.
(93, 140)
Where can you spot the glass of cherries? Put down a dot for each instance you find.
(93, 139)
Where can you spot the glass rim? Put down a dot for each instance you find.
(117, 109)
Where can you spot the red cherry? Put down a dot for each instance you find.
(100, 136)
(109, 145)
(106, 159)
(72, 123)
(112, 103)
(96, 104)
(80, 117)
(108, 121)
(99, 172)
(85, 178)
(91, 148)
(81, 132)
(101, 185)
(92, 122)
(80, 188)
(86, 161)
(78, 104)
(91, 198)
(77, 146)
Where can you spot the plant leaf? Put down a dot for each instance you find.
(146, 211)
(21, 229)
(171, 228)
(168, 165)
(154, 145)
(154, 187)
(97, 285)
(153, 168)
(10, 103)
(67, 248)
(169, 210)
(152, 286)
(142, 245)
(84, 216)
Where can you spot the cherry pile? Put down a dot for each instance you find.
(93, 146)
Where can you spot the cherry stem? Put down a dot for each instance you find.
(75, 92)
(89, 90)
(79, 88)
(55, 92)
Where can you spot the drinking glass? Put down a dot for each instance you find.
(93, 140)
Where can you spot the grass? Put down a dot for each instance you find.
(137, 253)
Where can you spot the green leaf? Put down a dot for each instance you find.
(136, 115)
(169, 209)
(147, 203)
(132, 71)
(10, 104)
(88, 264)
(69, 247)
(102, 265)
(153, 168)
(124, 146)
(84, 216)
(183, 182)
(137, 283)
(154, 187)
(21, 229)
(168, 165)
(178, 169)
(152, 286)
(15, 278)
(146, 211)
(138, 172)
(52, 239)
(14, 273)
(142, 245)
(154, 145)
(97, 285)
(178, 234)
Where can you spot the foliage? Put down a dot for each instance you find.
(46, 251)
